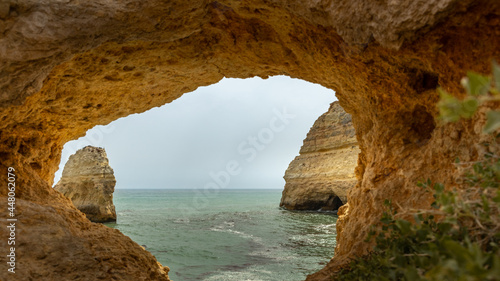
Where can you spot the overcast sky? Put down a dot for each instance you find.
(238, 133)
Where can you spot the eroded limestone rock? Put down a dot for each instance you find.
(89, 182)
(321, 176)
(66, 66)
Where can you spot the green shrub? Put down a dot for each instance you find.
(459, 237)
(480, 89)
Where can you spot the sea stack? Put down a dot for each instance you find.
(320, 177)
(89, 182)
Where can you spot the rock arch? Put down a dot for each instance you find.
(66, 67)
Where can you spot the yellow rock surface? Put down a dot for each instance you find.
(89, 182)
(67, 66)
(321, 176)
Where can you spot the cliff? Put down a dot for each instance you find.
(321, 176)
(89, 182)
(68, 66)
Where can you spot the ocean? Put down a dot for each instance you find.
(237, 235)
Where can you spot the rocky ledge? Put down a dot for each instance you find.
(320, 177)
(89, 182)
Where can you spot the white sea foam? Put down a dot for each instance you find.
(241, 235)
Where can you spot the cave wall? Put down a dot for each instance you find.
(66, 67)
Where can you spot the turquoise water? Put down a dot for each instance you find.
(227, 235)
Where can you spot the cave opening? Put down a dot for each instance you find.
(226, 145)
(68, 66)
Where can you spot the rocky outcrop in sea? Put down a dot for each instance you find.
(89, 182)
(320, 177)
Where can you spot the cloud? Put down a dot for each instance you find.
(179, 144)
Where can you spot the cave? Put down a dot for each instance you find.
(333, 204)
(67, 67)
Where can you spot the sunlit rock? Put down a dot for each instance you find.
(89, 182)
(321, 176)
(66, 66)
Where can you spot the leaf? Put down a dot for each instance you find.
(445, 227)
(449, 107)
(411, 273)
(492, 121)
(477, 84)
(404, 226)
(439, 188)
(469, 107)
(496, 74)
(387, 203)
(458, 251)
(496, 199)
